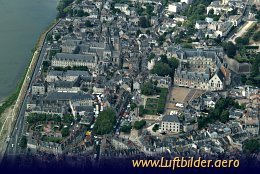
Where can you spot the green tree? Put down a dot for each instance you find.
(144, 22)
(105, 122)
(23, 142)
(156, 127)
(133, 106)
(88, 23)
(139, 124)
(251, 146)
(230, 49)
(65, 131)
(149, 9)
(68, 119)
(149, 88)
(256, 36)
(161, 69)
(126, 128)
(70, 28)
(224, 117)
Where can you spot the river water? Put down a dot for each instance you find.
(21, 24)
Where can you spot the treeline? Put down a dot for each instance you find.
(63, 8)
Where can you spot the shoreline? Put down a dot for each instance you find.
(14, 95)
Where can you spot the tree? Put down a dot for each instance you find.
(251, 146)
(139, 124)
(224, 117)
(211, 12)
(57, 37)
(49, 38)
(149, 88)
(68, 119)
(105, 122)
(144, 22)
(142, 111)
(156, 127)
(133, 106)
(151, 56)
(161, 69)
(242, 41)
(65, 132)
(70, 28)
(149, 9)
(256, 36)
(230, 49)
(88, 23)
(126, 128)
(23, 142)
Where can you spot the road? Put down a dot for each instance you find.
(13, 145)
(242, 28)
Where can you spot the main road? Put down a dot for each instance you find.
(13, 148)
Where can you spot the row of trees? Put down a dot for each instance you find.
(35, 118)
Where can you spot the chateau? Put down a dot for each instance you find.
(201, 69)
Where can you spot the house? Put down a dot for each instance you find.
(201, 25)
(175, 7)
(170, 123)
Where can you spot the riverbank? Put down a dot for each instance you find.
(11, 107)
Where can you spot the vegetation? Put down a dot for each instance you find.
(63, 8)
(155, 105)
(34, 118)
(75, 68)
(256, 36)
(149, 88)
(156, 127)
(105, 122)
(65, 131)
(251, 146)
(23, 142)
(88, 23)
(165, 66)
(230, 49)
(139, 124)
(144, 22)
(197, 11)
(133, 106)
(126, 128)
(219, 113)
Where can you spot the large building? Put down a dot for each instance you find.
(65, 60)
(201, 69)
(170, 123)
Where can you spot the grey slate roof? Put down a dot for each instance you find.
(53, 96)
(170, 118)
(77, 57)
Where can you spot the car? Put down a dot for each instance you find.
(12, 145)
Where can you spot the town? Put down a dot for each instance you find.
(120, 79)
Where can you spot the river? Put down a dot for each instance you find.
(21, 24)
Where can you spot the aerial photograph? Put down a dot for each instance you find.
(129, 86)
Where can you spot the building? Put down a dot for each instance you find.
(200, 69)
(65, 60)
(170, 123)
